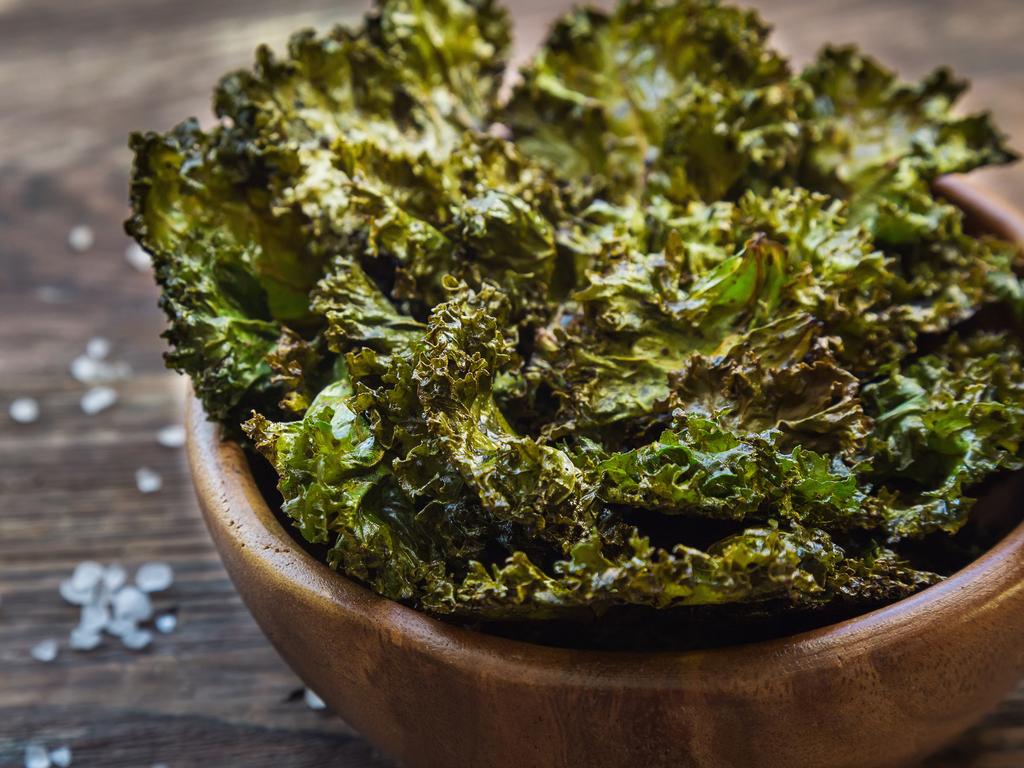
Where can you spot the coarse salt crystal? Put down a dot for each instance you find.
(94, 617)
(76, 596)
(313, 701)
(81, 238)
(36, 756)
(166, 623)
(44, 651)
(109, 605)
(98, 399)
(24, 410)
(133, 604)
(114, 577)
(89, 370)
(97, 347)
(121, 627)
(137, 640)
(154, 577)
(147, 480)
(61, 757)
(82, 639)
(172, 436)
(85, 369)
(87, 574)
(136, 255)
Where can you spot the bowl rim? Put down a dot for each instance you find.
(238, 516)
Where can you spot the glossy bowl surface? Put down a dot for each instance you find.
(882, 689)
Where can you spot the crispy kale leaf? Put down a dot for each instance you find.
(359, 314)
(340, 490)
(517, 479)
(944, 423)
(704, 469)
(863, 122)
(231, 270)
(803, 567)
(413, 76)
(684, 99)
(812, 404)
(773, 275)
(348, 502)
(235, 217)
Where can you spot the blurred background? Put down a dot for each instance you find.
(97, 476)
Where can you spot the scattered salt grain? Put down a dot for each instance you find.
(94, 617)
(121, 627)
(75, 596)
(89, 370)
(313, 701)
(136, 255)
(86, 575)
(148, 481)
(36, 756)
(97, 347)
(154, 577)
(98, 399)
(61, 757)
(44, 651)
(111, 606)
(166, 623)
(84, 369)
(172, 436)
(114, 577)
(81, 639)
(132, 604)
(81, 238)
(137, 640)
(24, 410)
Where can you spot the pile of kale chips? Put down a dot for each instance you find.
(668, 331)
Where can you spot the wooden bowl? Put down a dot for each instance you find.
(882, 689)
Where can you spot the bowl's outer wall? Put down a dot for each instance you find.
(880, 690)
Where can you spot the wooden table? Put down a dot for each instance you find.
(75, 77)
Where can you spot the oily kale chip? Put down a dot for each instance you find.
(235, 217)
(774, 275)
(231, 270)
(682, 99)
(517, 479)
(661, 330)
(351, 504)
(945, 422)
(358, 313)
(414, 75)
(811, 404)
(802, 566)
(862, 122)
(704, 469)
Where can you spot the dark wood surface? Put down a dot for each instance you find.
(75, 77)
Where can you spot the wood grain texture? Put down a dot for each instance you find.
(75, 77)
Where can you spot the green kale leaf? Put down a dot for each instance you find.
(683, 98)
(944, 423)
